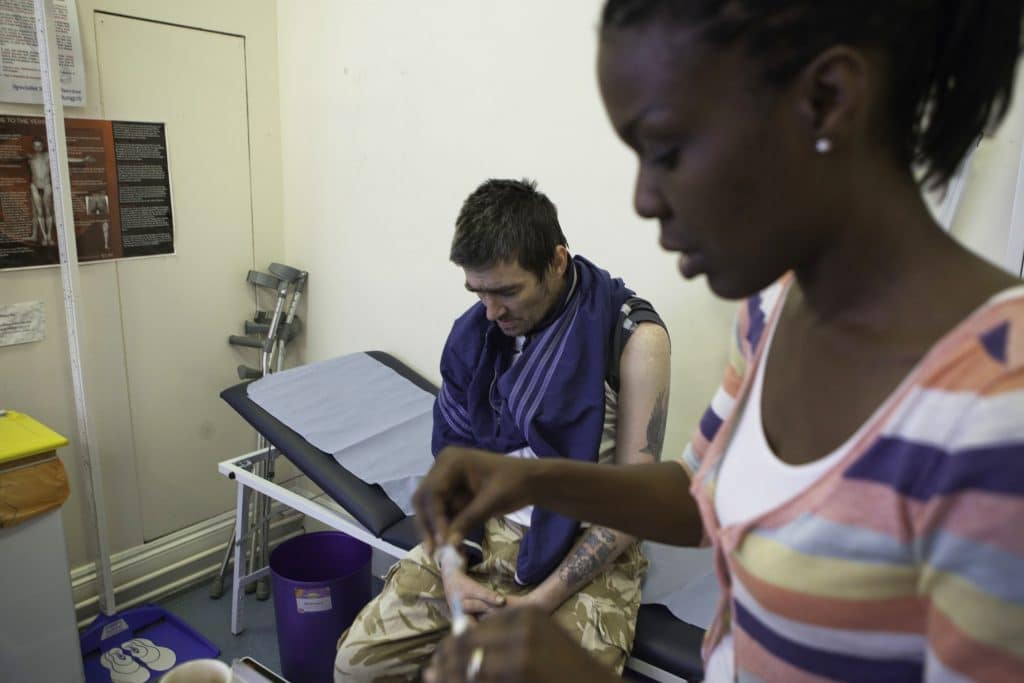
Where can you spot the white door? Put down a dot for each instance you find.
(177, 311)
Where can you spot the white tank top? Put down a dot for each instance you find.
(753, 481)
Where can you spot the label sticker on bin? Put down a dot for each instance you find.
(313, 599)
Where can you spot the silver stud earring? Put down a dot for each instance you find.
(823, 145)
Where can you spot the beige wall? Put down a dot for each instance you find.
(986, 208)
(392, 112)
(35, 378)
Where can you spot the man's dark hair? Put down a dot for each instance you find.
(951, 62)
(507, 221)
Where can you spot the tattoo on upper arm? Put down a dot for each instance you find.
(588, 557)
(656, 427)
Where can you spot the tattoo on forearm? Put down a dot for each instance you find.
(588, 557)
(656, 427)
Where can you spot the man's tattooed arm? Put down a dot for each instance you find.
(600, 545)
(656, 427)
(588, 557)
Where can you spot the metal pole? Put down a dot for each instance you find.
(67, 245)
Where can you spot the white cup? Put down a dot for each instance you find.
(199, 671)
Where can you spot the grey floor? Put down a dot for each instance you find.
(212, 618)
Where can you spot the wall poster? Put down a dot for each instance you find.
(120, 191)
(19, 53)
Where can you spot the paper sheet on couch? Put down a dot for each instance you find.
(375, 423)
(682, 579)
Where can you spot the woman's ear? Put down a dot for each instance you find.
(833, 93)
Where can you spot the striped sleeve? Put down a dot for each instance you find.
(969, 512)
(721, 404)
(749, 325)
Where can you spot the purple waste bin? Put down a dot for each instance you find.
(320, 582)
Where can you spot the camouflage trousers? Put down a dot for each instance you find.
(394, 636)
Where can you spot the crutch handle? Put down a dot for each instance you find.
(251, 342)
(245, 372)
(252, 327)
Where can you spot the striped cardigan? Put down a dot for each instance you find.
(905, 561)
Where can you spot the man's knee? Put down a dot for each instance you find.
(377, 660)
(395, 634)
(355, 663)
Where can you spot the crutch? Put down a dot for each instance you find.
(277, 337)
(273, 347)
(292, 325)
(261, 505)
(266, 346)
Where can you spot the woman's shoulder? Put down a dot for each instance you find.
(755, 315)
(967, 411)
(982, 353)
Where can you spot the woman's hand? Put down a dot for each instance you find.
(514, 645)
(464, 488)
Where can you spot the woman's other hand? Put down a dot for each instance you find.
(514, 645)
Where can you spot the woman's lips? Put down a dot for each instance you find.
(691, 261)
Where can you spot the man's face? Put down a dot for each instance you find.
(515, 298)
(37, 145)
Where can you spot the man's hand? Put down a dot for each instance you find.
(532, 599)
(477, 599)
(464, 488)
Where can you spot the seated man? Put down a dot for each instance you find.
(540, 367)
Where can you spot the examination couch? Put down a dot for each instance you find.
(665, 649)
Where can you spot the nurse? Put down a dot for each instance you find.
(860, 473)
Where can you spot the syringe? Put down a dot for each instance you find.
(451, 561)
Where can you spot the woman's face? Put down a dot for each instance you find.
(725, 164)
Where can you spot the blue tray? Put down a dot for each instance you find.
(139, 645)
